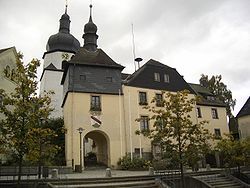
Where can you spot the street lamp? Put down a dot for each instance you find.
(42, 122)
(80, 130)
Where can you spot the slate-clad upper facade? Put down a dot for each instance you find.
(144, 78)
(92, 72)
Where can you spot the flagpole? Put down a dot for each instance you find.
(130, 126)
(138, 115)
(120, 116)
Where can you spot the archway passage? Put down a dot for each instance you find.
(96, 149)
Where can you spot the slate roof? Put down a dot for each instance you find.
(125, 76)
(96, 58)
(144, 78)
(50, 67)
(207, 98)
(2, 50)
(245, 110)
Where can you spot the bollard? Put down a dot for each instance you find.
(208, 167)
(54, 173)
(151, 171)
(108, 173)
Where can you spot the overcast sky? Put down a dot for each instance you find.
(194, 36)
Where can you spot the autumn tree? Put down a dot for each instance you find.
(220, 90)
(22, 110)
(173, 128)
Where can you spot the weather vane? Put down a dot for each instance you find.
(66, 6)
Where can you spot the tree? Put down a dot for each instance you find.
(173, 128)
(47, 143)
(22, 110)
(234, 152)
(57, 125)
(220, 90)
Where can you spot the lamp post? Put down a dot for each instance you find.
(42, 121)
(80, 130)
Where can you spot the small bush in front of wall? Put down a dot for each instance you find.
(163, 164)
(136, 163)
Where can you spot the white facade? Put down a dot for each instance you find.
(51, 79)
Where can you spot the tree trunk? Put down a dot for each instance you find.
(20, 162)
(182, 173)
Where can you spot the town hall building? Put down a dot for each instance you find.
(100, 104)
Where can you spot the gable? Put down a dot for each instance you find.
(145, 78)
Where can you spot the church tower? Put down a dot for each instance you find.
(60, 47)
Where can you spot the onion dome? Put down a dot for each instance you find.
(90, 37)
(90, 27)
(63, 40)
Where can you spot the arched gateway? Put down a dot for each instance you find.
(96, 147)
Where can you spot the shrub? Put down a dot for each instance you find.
(135, 164)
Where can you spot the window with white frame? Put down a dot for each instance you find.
(198, 112)
(214, 113)
(157, 77)
(95, 103)
(217, 133)
(143, 98)
(159, 100)
(144, 123)
(166, 78)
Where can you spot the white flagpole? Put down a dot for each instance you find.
(138, 115)
(120, 116)
(130, 126)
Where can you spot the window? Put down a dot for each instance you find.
(214, 113)
(83, 77)
(1, 100)
(109, 79)
(166, 78)
(210, 98)
(144, 123)
(198, 112)
(159, 100)
(217, 133)
(157, 77)
(7, 71)
(137, 150)
(95, 103)
(143, 98)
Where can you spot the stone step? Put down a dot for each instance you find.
(103, 180)
(227, 186)
(220, 181)
(132, 184)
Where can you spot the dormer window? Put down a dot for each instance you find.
(166, 78)
(83, 77)
(157, 77)
(109, 79)
(210, 98)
